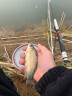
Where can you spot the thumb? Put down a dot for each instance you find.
(43, 49)
(39, 46)
(39, 51)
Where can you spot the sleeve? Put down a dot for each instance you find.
(7, 87)
(56, 82)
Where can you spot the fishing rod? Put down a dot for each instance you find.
(58, 33)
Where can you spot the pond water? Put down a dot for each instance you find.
(19, 12)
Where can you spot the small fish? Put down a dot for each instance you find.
(30, 64)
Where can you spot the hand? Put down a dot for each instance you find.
(45, 61)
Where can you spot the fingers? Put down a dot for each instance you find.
(22, 69)
(22, 56)
(24, 48)
(21, 62)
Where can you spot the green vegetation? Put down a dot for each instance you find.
(67, 31)
(1, 55)
(69, 64)
(8, 74)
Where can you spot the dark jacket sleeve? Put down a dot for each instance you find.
(56, 82)
(7, 87)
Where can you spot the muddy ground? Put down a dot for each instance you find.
(19, 81)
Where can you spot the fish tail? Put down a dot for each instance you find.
(30, 82)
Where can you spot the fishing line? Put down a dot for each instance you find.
(55, 32)
(49, 18)
(50, 6)
(52, 11)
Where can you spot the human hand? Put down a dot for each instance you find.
(45, 61)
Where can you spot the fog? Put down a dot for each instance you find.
(19, 12)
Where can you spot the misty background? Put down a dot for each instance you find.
(19, 12)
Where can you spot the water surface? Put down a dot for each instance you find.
(19, 12)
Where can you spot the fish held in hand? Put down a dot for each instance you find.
(31, 61)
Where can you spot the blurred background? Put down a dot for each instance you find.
(15, 13)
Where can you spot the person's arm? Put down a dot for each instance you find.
(51, 80)
(7, 87)
(56, 82)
